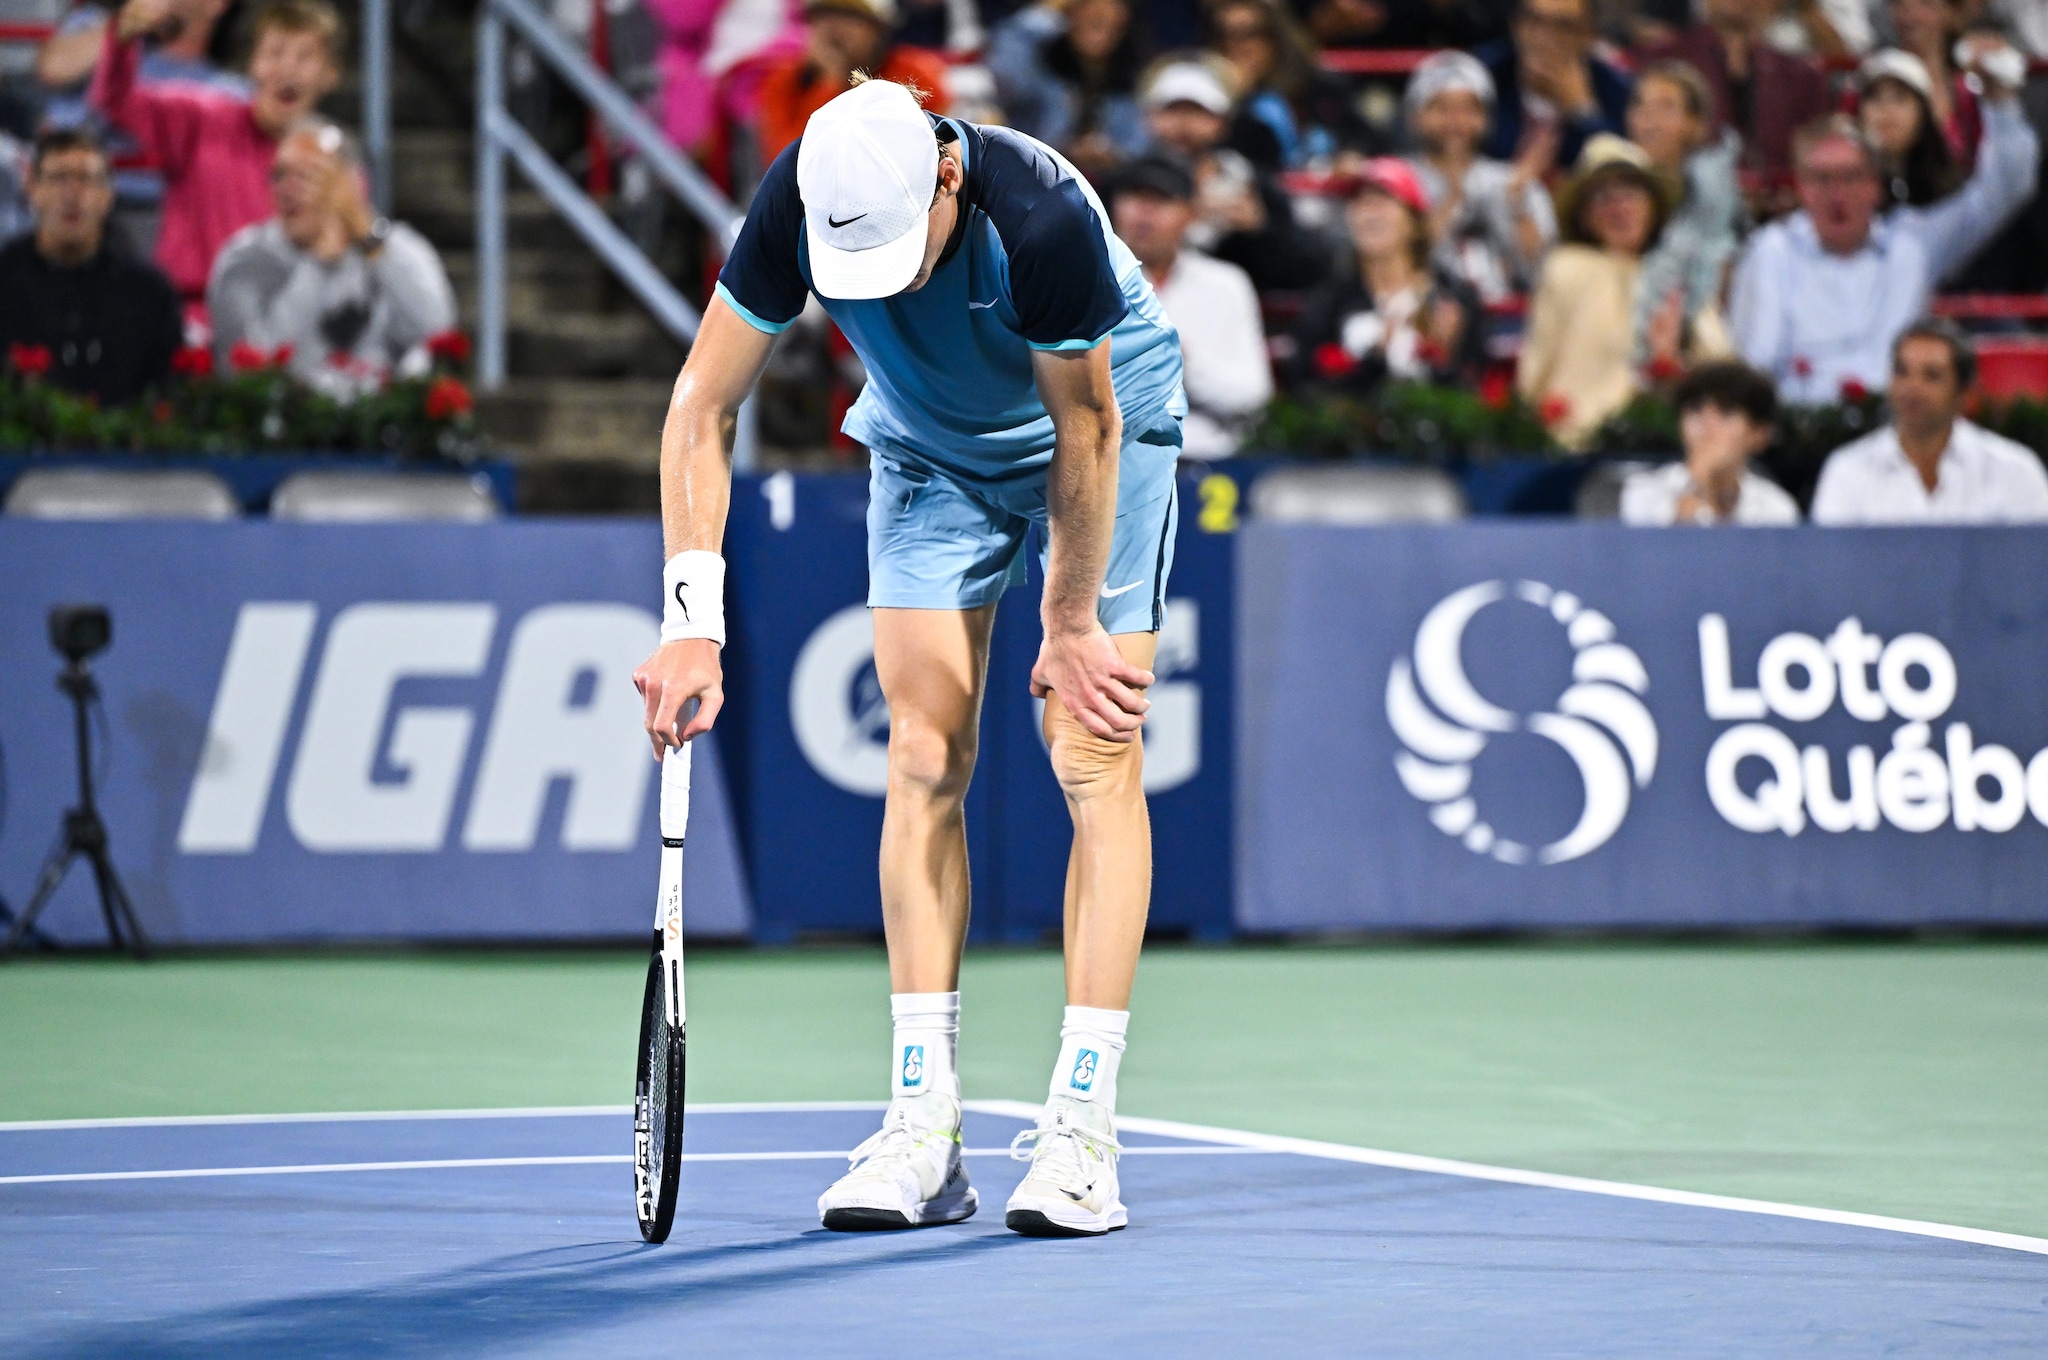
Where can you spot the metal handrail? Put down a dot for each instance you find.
(499, 136)
(670, 166)
(377, 99)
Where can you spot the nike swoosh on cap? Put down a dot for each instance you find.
(1109, 594)
(847, 223)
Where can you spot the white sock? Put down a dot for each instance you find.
(1091, 1047)
(927, 1032)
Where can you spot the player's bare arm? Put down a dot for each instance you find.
(696, 488)
(1077, 661)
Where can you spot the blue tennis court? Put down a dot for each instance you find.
(512, 1233)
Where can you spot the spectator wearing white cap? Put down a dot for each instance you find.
(1930, 465)
(1241, 213)
(1210, 302)
(1490, 220)
(1895, 109)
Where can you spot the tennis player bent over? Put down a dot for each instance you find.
(1020, 372)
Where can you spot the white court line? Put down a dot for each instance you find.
(1164, 1128)
(506, 1112)
(1443, 1166)
(604, 1159)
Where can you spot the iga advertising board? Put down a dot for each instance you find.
(335, 732)
(1523, 725)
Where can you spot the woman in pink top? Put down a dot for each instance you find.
(214, 150)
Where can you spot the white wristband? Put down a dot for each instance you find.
(693, 597)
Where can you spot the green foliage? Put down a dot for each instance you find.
(257, 409)
(1413, 421)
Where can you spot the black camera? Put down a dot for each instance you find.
(80, 630)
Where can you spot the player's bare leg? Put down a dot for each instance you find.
(1109, 873)
(932, 664)
(1072, 1188)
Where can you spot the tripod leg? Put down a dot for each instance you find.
(46, 886)
(117, 907)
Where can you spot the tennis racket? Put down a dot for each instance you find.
(658, 1088)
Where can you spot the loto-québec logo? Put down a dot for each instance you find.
(1912, 777)
(1917, 773)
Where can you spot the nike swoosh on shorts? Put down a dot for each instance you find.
(974, 306)
(1109, 594)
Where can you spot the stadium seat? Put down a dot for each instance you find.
(121, 493)
(1599, 494)
(360, 497)
(1357, 494)
(2012, 366)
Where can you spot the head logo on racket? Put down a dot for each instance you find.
(1444, 723)
(1083, 1075)
(913, 1064)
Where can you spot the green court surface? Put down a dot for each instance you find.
(1902, 1079)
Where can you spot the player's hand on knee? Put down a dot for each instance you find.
(677, 673)
(1104, 692)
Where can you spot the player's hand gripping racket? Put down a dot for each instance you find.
(658, 1092)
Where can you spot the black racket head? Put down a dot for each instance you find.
(657, 1110)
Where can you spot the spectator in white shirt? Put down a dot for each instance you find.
(1726, 415)
(1931, 466)
(1819, 296)
(1211, 304)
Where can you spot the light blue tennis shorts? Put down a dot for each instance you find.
(937, 540)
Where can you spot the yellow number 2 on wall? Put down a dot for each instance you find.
(1219, 504)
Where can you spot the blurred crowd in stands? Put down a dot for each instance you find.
(163, 206)
(1729, 203)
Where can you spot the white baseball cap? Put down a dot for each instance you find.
(867, 169)
(1187, 82)
(1904, 67)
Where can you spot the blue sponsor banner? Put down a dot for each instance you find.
(808, 742)
(356, 732)
(1584, 725)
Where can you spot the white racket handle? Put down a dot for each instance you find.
(668, 903)
(675, 792)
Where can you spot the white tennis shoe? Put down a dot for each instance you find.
(908, 1175)
(1071, 1188)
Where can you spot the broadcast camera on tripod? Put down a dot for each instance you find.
(79, 631)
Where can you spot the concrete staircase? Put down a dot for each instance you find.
(590, 370)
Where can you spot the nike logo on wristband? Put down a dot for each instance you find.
(682, 603)
(1109, 594)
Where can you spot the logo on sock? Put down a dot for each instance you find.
(1083, 1075)
(913, 1064)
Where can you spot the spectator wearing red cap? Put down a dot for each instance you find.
(1393, 316)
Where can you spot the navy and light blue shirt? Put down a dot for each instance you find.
(1035, 267)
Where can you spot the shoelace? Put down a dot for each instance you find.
(1061, 1144)
(895, 1138)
